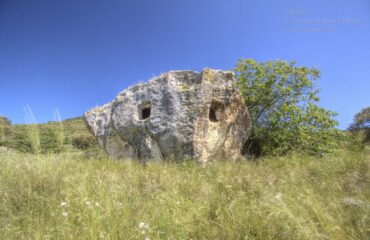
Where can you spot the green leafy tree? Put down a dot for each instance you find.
(361, 124)
(281, 98)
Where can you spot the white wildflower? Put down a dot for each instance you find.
(65, 214)
(147, 238)
(279, 196)
(143, 225)
(63, 204)
(97, 204)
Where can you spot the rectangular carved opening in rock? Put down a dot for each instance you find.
(145, 110)
(216, 111)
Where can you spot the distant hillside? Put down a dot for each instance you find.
(76, 134)
(73, 127)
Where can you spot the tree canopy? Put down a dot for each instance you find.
(282, 100)
(361, 122)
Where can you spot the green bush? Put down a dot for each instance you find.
(21, 143)
(84, 142)
(5, 130)
(281, 99)
(50, 142)
(355, 141)
(361, 125)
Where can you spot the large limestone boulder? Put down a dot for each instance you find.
(179, 114)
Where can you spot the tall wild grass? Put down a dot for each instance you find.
(33, 130)
(60, 129)
(65, 196)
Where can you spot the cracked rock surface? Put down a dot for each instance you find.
(179, 114)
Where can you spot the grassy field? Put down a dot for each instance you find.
(66, 196)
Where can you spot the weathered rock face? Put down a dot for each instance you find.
(179, 114)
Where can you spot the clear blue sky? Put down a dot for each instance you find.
(75, 54)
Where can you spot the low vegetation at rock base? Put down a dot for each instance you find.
(66, 196)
